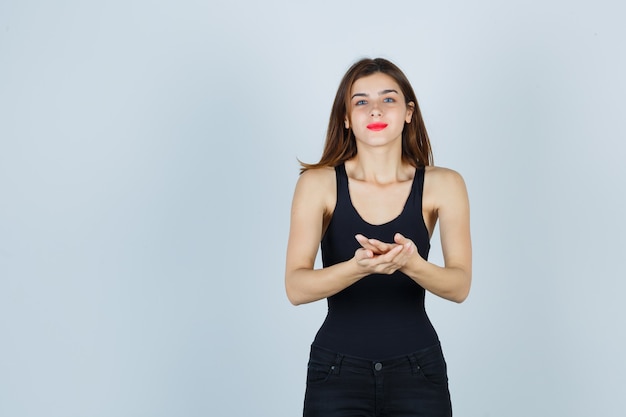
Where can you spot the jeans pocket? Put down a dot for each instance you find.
(318, 373)
(432, 367)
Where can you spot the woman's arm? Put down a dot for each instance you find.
(450, 204)
(315, 198)
(310, 204)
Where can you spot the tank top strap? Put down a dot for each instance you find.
(418, 188)
(342, 183)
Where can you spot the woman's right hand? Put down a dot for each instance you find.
(376, 257)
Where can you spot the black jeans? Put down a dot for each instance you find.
(414, 385)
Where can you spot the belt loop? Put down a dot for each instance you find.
(415, 367)
(337, 364)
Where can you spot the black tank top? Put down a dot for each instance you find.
(379, 316)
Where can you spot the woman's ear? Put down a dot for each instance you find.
(410, 108)
(346, 123)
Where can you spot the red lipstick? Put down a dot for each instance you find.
(376, 126)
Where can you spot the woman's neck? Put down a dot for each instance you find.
(379, 166)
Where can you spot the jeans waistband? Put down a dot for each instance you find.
(339, 360)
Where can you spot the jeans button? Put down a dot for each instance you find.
(378, 366)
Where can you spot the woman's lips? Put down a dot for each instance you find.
(377, 126)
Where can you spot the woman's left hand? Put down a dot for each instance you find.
(380, 248)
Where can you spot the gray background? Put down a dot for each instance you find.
(147, 163)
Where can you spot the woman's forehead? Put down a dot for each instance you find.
(375, 82)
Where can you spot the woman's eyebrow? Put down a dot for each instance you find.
(360, 95)
(380, 93)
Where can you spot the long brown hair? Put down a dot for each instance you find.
(340, 142)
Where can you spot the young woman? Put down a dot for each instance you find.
(372, 201)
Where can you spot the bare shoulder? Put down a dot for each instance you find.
(442, 175)
(318, 176)
(318, 180)
(317, 187)
(443, 184)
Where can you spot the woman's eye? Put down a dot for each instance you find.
(360, 102)
(389, 100)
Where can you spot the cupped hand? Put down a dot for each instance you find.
(376, 246)
(377, 257)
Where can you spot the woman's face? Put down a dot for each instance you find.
(377, 111)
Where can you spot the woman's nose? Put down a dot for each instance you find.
(375, 111)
